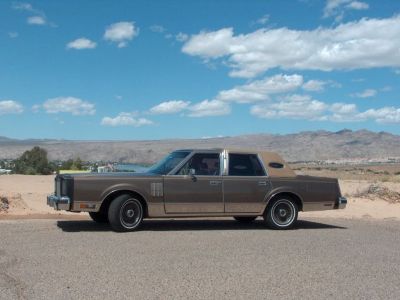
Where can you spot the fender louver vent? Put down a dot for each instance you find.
(157, 189)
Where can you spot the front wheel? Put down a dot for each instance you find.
(281, 214)
(125, 213)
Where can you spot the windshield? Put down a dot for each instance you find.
(169, 162)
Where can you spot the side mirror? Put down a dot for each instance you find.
(192, 172)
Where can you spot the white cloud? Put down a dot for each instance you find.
(314, 85)
(169, 107)
(366, 93)
(358, 5)
(37, 17)
(72, 105)
(121, 33)
(36, 108)
(343, 108)
(10, 107)
(125, 119)
(36, 20)
(337, 8)
(182, 37)
(342, 112)
(386, 88)
(208, 108)
(261, 89)
(366, 43)
(157, 28)
(263, 20)
(382, 115)
(291, 107)
(24, 6)
(13, 34)
(304, 107)
(81, 43)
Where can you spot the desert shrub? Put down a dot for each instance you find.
(379, 191)
(4, 204)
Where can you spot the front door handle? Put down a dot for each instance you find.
(215, 182)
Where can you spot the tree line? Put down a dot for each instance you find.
(35, 162)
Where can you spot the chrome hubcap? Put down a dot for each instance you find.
(283, 212)
(130, 213)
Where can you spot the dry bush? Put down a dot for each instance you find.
(377, 191)
(4, 204)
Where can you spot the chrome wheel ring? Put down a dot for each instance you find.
(131, 213)
(283, 213)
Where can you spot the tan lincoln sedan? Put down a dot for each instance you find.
(199, 183)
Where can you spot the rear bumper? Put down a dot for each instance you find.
(59, 202)
(341, 202)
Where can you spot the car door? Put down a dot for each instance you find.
(196, 187)
(245, 184)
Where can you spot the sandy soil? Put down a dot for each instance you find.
(27, 196)
(27, 199)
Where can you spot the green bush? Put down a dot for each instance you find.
(33, 162)
(70, 164)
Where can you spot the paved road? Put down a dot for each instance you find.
(200, 259)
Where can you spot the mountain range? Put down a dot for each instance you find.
(302, 146)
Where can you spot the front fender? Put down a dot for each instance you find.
(123, 187)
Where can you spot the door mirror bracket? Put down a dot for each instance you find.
(192, 173)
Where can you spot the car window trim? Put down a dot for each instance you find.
(182, 163)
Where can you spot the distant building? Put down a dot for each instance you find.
(105, 169)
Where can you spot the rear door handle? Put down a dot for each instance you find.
(262, 183)
(215, 182)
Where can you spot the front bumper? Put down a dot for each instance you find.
(341, 203)
(59, 202)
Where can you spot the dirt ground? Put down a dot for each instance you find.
(24, 196)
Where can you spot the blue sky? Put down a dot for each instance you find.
(191, 69)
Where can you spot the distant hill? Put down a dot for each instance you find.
(303, 146)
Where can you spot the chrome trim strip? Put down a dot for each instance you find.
(225, 162)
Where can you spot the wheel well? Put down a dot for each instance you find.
(107, 201)
(290, 195)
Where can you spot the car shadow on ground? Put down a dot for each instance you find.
(186, 225)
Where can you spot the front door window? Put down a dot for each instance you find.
(206, 164)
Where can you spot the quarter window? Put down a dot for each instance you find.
(245, 165)
(203, 164)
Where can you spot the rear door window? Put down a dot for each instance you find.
(245, 165)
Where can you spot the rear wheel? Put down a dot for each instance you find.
(281, 214)
(99, 217)
(245, 219)
(125, 213)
